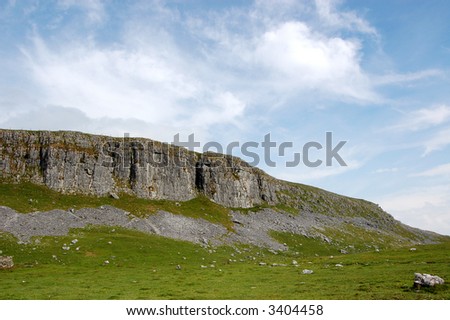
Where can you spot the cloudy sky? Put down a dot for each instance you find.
(374, 73)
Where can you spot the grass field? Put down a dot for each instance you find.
(144, 266)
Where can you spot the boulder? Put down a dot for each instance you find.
(6, 262)
(426, 280)
(306, 271)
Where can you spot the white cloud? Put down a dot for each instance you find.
(400, 78)
(61, 118)
(439, 171)
(149, 73)
(439, 141)
(425, 208)
(138, 81)
(329, 13)
(386, 170)
(424, 118)
(300, 58)
(94, 9)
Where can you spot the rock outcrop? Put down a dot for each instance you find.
(73, 162)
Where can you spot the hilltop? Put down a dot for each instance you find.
(167, 190)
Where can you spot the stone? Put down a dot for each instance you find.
(6, 262)
(114, 195)
(412, 249)
(178, 267)
(294, 262)
(426, 280)
(307, 271)
(343, 251)
(338, 265)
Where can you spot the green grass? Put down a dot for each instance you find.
(144, 267)
(27, 197)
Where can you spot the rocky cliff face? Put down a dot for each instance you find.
(73, 162)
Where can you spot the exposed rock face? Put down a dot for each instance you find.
(73, 162)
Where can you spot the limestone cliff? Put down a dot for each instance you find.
(73, 162)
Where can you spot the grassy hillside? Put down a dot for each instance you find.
(116, 263)
(143, 266)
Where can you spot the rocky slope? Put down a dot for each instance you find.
(73, 162)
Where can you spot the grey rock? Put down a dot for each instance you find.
(114, 195)
(6, 262)
(427, 280)
(307, 271)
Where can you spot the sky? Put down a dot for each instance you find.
(374, 73)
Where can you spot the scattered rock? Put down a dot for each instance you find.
(338, 265)
(426, 280)
(65, 247)
(74, 241)
(105, 262)
(343, 251)
(6, 262)
(262, 264)
(294, 262)
(178, 267)
(306, 271)
(114, 195)
(412, 249)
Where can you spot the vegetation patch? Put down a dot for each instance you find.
(115, 263)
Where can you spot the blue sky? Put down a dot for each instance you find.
(374, 73)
